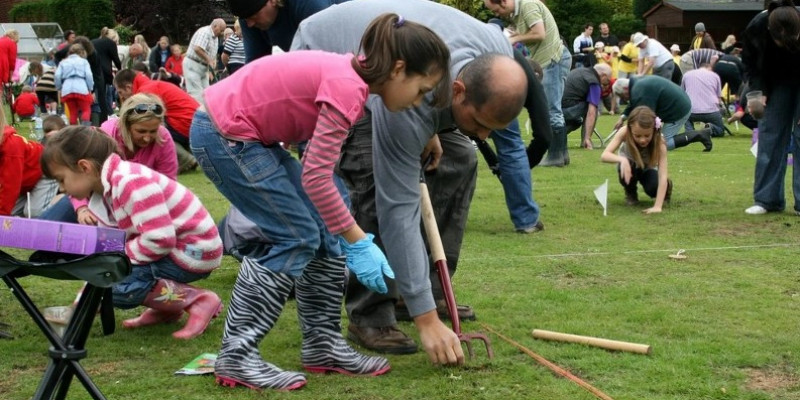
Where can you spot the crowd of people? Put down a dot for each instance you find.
(418, 93)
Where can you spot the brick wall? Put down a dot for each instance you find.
(5, 7)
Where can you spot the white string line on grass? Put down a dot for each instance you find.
(608, 253)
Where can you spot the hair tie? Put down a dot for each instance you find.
(658, 123)
(400, 21)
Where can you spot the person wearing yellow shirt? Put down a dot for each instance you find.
(628, 60)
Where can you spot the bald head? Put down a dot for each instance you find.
(218, 26)
(495, 84)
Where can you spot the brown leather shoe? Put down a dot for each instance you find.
(387, 339)
(465, 313)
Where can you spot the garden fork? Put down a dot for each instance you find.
(440, 260)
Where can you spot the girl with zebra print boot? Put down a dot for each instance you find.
(293, 97)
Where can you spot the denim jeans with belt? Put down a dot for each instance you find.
(263, 182)
(554, 76)
(515, 176)
(775, 130)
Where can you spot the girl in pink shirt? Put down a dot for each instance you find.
(170, 237)
(294, 97)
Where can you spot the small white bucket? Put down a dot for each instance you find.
(58, 317)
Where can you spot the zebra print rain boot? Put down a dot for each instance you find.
(256, 303)
(319, 294)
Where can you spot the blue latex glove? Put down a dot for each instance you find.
(367, 261)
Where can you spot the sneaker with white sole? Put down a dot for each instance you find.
(538, 227)
(756, 210)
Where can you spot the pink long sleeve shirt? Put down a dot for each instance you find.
(316, 96)
(161, 217)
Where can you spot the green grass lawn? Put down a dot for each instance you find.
(723, 323)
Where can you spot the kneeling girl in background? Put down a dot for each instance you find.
(642, 158)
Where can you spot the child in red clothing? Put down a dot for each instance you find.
(23, 190)
(174, 64)
(25, 105)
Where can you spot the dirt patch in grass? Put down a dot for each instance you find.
(11, 376)
(771, 379)
(104, 368)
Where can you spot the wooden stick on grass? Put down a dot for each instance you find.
(592, 341)
(555, 368)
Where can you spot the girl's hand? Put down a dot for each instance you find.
(85, 217)
(652, 210)
(625, 170)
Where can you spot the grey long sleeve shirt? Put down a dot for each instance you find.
(399, 138)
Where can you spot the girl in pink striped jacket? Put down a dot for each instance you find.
(171, 238)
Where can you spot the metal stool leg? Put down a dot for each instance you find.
(65, 353)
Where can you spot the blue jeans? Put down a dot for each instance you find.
(670, 129)
(263, 182)
(111, 95)
(515, 176)
(61, 211)
(132, 291)
(554, 76)
(775, 130)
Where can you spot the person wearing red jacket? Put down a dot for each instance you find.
(23, 189)
(8, 55)
(26, 102)
(174, 64)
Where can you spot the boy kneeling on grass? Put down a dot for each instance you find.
(26, 102)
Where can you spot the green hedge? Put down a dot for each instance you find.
(86, 17)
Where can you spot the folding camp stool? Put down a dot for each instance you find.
(100, 271)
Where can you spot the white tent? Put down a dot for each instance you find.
(35, 39)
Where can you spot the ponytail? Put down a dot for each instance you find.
(390, 38)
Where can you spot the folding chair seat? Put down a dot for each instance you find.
(99, 271)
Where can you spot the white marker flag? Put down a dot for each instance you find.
(601, 193)
(754, 149)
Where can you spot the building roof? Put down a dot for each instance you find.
(710, 5)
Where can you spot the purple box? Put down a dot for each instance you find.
(37, 234)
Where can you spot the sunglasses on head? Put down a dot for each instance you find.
(143, 108)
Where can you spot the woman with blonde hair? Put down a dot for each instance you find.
(111, 33)
(727, 45)
(141, 135)
(140, 138)
(140, 40)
